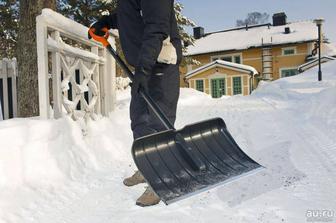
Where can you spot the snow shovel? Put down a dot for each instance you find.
(181, 163)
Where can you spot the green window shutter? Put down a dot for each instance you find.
(237, 86)
(200, 85)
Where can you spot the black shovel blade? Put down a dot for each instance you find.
(162, 161)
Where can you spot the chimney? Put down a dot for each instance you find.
(198, 32)
(279, 19)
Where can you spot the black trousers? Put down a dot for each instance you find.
(165, 90)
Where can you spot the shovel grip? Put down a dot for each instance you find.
(102, 39)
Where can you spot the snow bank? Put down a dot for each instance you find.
(312, 99)
(297, 86)
(329, 49)
(37, 152)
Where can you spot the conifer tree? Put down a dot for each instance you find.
(8, 27)
(85, 11)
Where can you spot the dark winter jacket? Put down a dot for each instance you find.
(143, 26)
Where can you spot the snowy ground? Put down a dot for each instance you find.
(49, 173)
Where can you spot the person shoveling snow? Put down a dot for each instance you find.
(144, 27)
(175, 163)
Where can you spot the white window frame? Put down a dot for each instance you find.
(242, 83)
(289, 48)
(232, 55)
(286, 68)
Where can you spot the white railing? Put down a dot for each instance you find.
(8, 88)
(79, 71)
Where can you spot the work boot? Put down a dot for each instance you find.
(148, 198)
(135, 179)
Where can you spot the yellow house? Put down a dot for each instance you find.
(222, 78)
(273, 50)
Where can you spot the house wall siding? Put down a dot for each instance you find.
(218, 72)
(253, 57)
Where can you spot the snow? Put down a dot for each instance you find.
(57, 20)
(330, 49)
(241, 39)
(314, 62)
(67, 49)
(51, 173)
(122, 83)
(231, 65)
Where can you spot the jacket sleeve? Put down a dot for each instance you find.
(156, 17)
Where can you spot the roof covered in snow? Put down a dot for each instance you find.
(256, 36)
(232, 66)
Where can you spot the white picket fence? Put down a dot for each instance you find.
(8, 88)
(80, 72)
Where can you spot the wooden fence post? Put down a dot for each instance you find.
(14, 86)
(42, 58)
(5, 89)
(56, 79)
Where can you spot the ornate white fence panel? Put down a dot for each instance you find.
(8, 88)
(79, 71)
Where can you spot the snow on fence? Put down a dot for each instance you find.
(79, 71)
(8, 90)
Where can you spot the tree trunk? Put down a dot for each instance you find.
(28, 101)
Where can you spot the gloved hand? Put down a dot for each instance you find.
(140, 81)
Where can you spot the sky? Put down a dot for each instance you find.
(216, 15)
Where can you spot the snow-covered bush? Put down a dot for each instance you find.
(122, 83)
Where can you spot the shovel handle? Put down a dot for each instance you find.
(151, 103)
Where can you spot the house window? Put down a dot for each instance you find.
(237, 85)
(289, 72)
(200, 85)
(236, 58)
(228, 59)
(289, 51)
